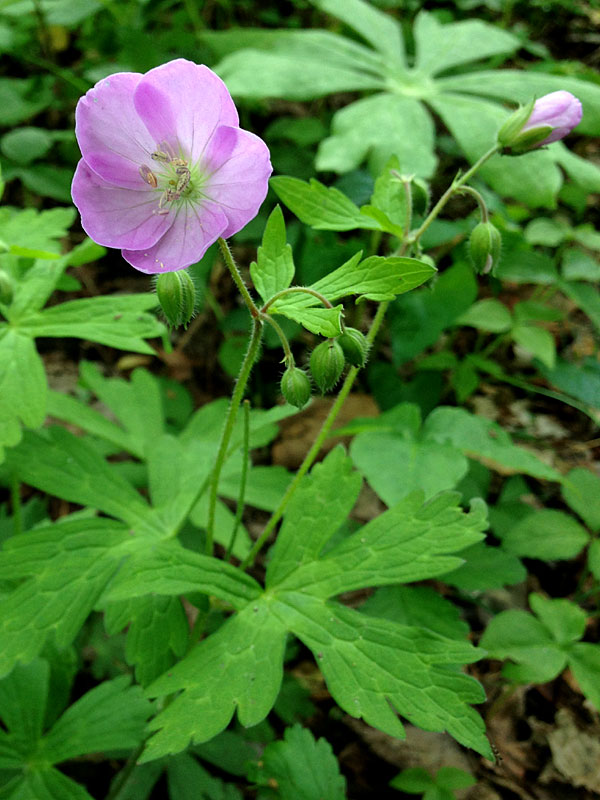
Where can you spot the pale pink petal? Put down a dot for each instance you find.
(117, 217)
(182, 103)
(240, 167)
(112, 138)
(193, 231)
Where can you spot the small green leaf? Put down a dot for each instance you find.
(548, 535)
(546, 232)
(537, 341)
(322, 207)
(273, 269)
(304, 768)
(584, 660)
(581, 491)
(414, 780)
(486, 568)
(487, 315)
(565, 620)
(320, 321)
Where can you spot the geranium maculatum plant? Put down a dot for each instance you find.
(165, 172)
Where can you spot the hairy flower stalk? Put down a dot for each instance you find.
(165, 170)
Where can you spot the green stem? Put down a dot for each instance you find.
(236, 399)
(291, 289)
(289, 358)
(235, 274)
(479, 200)
(316, 447)
(456, 184)
(240, 504)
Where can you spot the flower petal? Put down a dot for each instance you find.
(113, 139)
(115, 216)
(193, 231)
(240, 166)
(182, 103)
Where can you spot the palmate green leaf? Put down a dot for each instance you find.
(548, 534)
(23, 386)
(581, 492)
(273, 269)
(109, 717)
(304, 768)
(67, 566)
(121, 322)
(366, 662)
(537, 341)
(322, 207)
(188, 780)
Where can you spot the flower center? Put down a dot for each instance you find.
(173, 177)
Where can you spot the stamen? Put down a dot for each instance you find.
(148, 176)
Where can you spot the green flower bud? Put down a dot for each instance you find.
(484, 246)
(355, 347)
(295, 387)
(6, 288)
(327, 364)
(177, 297)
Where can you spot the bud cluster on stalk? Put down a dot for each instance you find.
(327, 363)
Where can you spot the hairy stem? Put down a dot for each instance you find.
(317, 444)
(235, 274)
(291, 289)
(236, 399)
(240, 503)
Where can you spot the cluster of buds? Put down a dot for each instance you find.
(327, 362)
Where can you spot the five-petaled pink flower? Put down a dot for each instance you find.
(166, 169)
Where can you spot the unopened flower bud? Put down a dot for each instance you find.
(355, 347)
(327, 364)
(547, 120)
(295, 387)
(484, 247)
(6, 288)
(177, 297)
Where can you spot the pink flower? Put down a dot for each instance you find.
(560, 111)
(166, 169)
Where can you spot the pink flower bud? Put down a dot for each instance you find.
(547, 120)
(559, 110)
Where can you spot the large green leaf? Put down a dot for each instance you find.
(367, 663)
